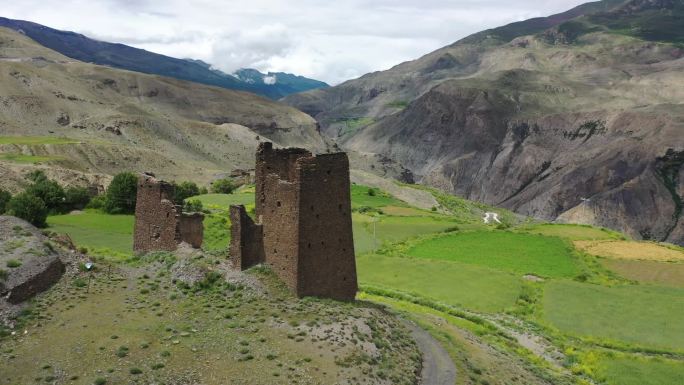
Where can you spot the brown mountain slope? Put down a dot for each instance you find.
(83, 120)
(585, 127)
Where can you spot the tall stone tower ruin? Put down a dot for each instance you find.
(303, 226)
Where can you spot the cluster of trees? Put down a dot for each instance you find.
(45, 197)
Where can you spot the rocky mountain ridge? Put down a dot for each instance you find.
(575, 117)
(83, 48)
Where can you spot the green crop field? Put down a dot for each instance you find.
(573, 232)
(518, 253)
(97, 231)
(472, 287)
(35, 140)
(640, 371)
(641, 315)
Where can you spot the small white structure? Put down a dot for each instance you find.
(489, 217)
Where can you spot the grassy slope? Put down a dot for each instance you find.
(520, 253)
(175, 335)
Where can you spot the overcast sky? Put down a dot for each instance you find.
(330, 40)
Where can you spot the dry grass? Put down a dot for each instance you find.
(630, 250)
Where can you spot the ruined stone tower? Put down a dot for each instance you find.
(303, 227)
(160, 225)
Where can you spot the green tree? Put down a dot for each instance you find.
(5, 197)
(185, 190)
(29, 208)
(222, 186)
(77, 198)
(121, 194)
(50, 192)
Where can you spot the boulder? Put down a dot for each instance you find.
(28, 261)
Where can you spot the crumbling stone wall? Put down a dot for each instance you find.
(160, 225)
(303, 210)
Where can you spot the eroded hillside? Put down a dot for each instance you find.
(85, 121)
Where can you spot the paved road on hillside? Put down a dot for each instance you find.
(438, 368)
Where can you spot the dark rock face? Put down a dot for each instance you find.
(39, 266)
(304, 228)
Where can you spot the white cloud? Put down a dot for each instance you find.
(330, 41)
(270, 80)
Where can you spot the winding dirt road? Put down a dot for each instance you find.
(438, 368)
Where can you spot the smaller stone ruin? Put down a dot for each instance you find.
(303, 226)
(160, 224)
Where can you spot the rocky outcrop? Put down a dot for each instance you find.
(29, 262)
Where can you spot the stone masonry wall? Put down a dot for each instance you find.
(160, 225)
(303, 206)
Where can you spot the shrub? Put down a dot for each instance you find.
(13, 263)
(36, 176)
(204, 190)
(184, 191)
(77, 198)
(3, 275)
(121, 194)
(135, 371)
(97, 202)
(29, 208)
(193, 206)
(100, 381)
(371, 192)
(50, 192)
(222, 186)
(5, 197)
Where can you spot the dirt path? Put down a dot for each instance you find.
(438, 368)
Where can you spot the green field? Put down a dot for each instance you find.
(519, 253)
(20, 158)
(361, 198)
(640, 371)
(35, 140)
(99, 232)
(573, 232)
(642, 315)
(652, 272)
(457, 284)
